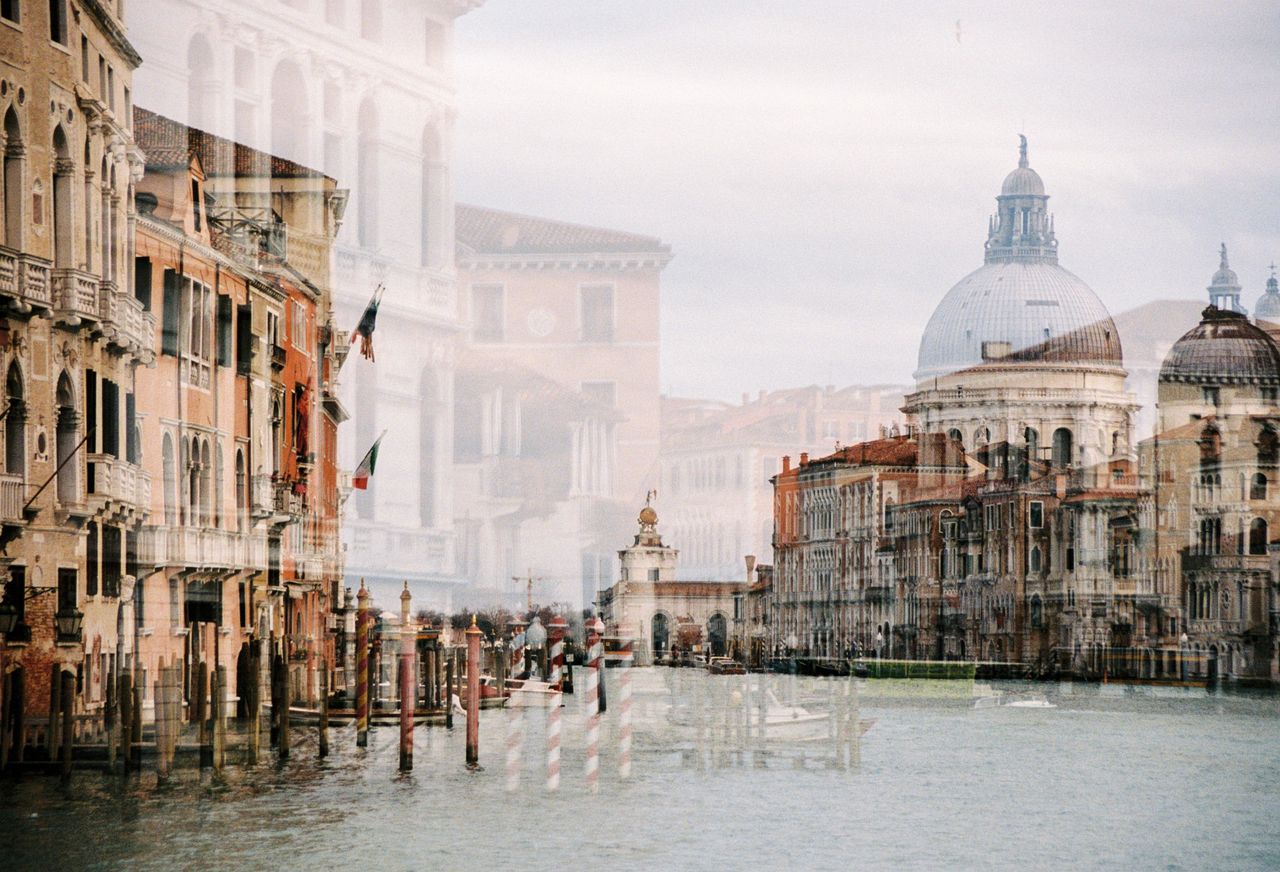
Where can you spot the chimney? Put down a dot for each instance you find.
(804, 458)
(786, 463)
(751, 568)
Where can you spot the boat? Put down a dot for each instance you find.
(1029, 701)
(532, 693)
(725, 666)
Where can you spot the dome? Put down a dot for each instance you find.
(1022, 181)
(1020, 310)
(1268, 305)
(1223, 347)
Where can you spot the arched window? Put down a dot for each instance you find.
(367, 175)
(1268, 447)
(242, 499)
(15, 423)
(170, 482)
(193, 481)
(888, 515)
(290, 112)
(1258, 536)
(1035, 559)
(955, 435)
(217, 485)
(1062, 454)
(88, 206)
(14, 196)
(432, 193)
(67, 442)
(206, 489)
(427, 459)
(1031, 452)
(717, 634)
(1210, 449)
(1258, 488)
(201, 82)
(63, 208)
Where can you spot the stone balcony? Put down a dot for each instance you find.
(25, 278)
(202, 548)
(124, 323)
(273, 498)
(75, 296)
(117, 484)
(11, 498)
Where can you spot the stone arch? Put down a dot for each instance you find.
(15, 422)
(290, 112)
(1063, 447)
(67, 441)
(1258, 536)
(660, 629)
(63, 207)
(12, 179)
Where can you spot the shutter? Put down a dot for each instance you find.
(91, 411)
(224, 330)
(142, 281)
(169, 331)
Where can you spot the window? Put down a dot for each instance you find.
(84, 58)
(1258, 489)
(170, 315)
(298, 327)
(244, 340)
(653, 575)
(195, 204)
(1210, 395)
(91, 561)
(597, 313)
(142, 282)
(66, 589)
(1258, 536)
(224, 330)
(1035, 559)
(111, 88)
(1035, 515)
(58, 21)
(487, 313)
(1062, 455)
(11, 10)
(1269, 394)
(605, 393)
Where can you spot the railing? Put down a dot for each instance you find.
(10, 497)
(119, 480)
(8, 272)
(262, 499)
(201, 548)
(33, 282)
(75, 294)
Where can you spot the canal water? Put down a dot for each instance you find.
(1068, 777)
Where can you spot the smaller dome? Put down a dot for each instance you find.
(1022, 181)
(1223, 348)
(1268, 307)
(648, 517)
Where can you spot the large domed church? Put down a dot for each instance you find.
(1021, 352)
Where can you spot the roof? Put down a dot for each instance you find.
(170, 144)
(492, 231)
(895, 451)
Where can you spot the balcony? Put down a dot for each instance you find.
(273, 497)
(262, 499)
(11, 498)
(117, 483)
(124, 322)
(24, 277)
(75, 296)
(277, 357)
(201, 548)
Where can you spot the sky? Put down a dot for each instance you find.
(824, 170)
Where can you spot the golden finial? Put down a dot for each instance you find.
(473, 619)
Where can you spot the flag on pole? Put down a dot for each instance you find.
(360, 478)
(367, 323)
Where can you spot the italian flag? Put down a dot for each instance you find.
(360, 478)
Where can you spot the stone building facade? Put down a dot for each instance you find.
(73, 494)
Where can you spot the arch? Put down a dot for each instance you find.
(660, 633)
(170, 481)
(290, 112)
(67, 442)
(217, 485)
(1062, 447)
(1037, 611)
(242, 494)
(1034, 560)
(12, 180)
(15, 422)
(955, 435)
(718, 634)
(63, 208)
(88, 205)
(1258, 486)
(201, 82)
(1268, 446)
(428, 459)
(1258, 536)
(367, 173)
(1210, 449)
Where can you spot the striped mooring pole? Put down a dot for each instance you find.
(362, 667)
(595, 658)
(624, 712)
(555, 632)
(408, 683)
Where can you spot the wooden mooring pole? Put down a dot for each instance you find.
(362, 667)
(473, 695)
(323, 737)
(127, 738)
(408, 692)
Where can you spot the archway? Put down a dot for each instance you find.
(15, 422)
(717, 635)
(13, 180)
(1062, 447)
(67, 442)
(63, 234)
(660, 629)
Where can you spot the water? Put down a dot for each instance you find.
(1106, 779)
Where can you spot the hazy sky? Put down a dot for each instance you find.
(824, 170)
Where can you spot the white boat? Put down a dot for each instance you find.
(792, 723)
(1031, 701)
(531, 693)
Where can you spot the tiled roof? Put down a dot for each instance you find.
(168, 144)
(491, 231)
(896, 451)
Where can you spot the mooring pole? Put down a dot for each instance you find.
(68, 724)
(473, 694)
(127, 738)
(323, 729)
(408, 696)
(556, 628)
(594, 657)
(362, 667)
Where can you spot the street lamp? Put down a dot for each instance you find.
(535, 637)
(8, 619)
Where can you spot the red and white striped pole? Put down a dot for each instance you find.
(624, 712)
(556, 630)
(515, 743)
(517, 646)
(595, 657)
